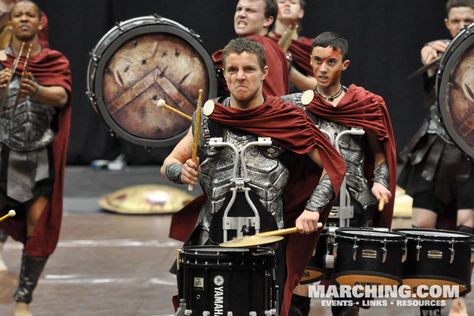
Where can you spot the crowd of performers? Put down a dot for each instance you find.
(294, 181)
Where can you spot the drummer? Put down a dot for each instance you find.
(35, 120)
(254, 19)
(370, 158)
(436, 173)
(290, 15)
(240, 119)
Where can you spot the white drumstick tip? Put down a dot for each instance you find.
(160, 103)
(11, 213)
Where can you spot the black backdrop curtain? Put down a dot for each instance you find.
(385, 38)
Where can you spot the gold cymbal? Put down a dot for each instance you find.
(250, 241)
(145, 199)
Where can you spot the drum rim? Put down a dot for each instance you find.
(448, 64)
(343, 232)
(259, 249)
(151, 24)
(463, 237)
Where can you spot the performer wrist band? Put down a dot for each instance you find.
(381, 174)
(321, 196)
(173, 172)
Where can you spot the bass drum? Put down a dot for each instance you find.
(141, 61)
(455, 89)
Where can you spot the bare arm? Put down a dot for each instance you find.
(431, 52)
(55, 96)
(180, 158)
(301, 81)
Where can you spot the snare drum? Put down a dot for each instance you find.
(368, 257)
(140, 61)
(227, 281)
(437, 257)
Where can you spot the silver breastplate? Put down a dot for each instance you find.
(25, 126)
(267, 175)
(352, 148)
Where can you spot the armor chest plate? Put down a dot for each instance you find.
(266, 174)
(25, 124)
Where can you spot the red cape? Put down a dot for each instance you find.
(363, 109)
(300, 50)
(50, 68)
(288, 126)
(276, 83)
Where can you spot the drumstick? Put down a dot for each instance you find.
(196, 132)
(11, 213)
(13, 70)
(381, 204)
(281, 232)
(162, 103)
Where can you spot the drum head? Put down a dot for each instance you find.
(141, 61)
(455, 90)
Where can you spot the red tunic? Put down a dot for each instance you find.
(276, 83)
(50, 68)
(289, 127)
(300, 50)
(363, 109)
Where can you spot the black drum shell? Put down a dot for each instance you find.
(247, 276)
(370, 241)
(430, 268)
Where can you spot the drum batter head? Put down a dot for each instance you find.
(141, 61)
(455, 90)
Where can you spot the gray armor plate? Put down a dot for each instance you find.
(266, 173)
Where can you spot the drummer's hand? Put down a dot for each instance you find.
(307, 222)
(5, 75)
(28, 86)
(190, 172)
(432, 51)
(381, 192)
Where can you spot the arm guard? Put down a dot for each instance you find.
(323, 193)
(381, 174)
(173, 172)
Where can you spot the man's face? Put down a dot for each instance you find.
(244, 76)
(458, 17)
(290, 11)
(25, 21)
(327, 66)
(249, 18)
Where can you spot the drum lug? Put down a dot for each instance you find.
(384, 250)
(119, 26)
(94, 57)
(418, 250)
(157, 17)
(334, 250)
(452, 252)
(354, 250)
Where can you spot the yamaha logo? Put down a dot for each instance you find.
(218, 280)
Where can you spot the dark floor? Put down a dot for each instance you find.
(108, 264)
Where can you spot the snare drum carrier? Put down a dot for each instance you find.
(137, 63)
